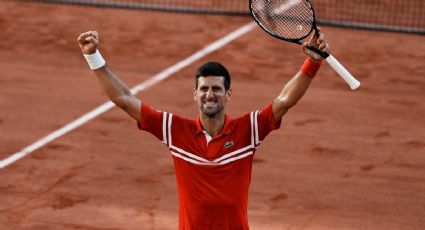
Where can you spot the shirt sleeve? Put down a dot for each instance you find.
(152, 121)
(265, 122)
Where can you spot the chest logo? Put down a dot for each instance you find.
(228, 144)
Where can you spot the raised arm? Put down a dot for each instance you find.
(115, 89)
(298, 85)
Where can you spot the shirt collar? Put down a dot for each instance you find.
(226, 129)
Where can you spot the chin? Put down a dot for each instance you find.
(212, 113)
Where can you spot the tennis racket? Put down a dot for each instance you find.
(292, 21)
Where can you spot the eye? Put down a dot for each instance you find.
(217, 88)
(203, 89)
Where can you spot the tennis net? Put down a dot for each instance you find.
(389, 15)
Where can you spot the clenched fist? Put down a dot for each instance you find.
(88, 42)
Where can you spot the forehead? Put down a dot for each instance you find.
(211, 81)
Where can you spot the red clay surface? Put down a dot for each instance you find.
(342, 159)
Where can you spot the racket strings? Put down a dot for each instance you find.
(290, 19)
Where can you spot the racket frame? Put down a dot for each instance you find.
(294, 40)
(348, 78)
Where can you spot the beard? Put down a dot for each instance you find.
(211, 112)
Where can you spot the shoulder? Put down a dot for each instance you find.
(178, 121)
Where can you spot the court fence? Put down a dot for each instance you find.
(388, 15)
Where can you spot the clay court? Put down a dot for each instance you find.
(341, 160)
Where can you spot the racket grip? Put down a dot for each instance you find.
(351, 81)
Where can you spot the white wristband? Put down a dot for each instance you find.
(95, 60)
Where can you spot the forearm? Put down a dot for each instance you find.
(294, 90)
(118, 92)
(115, 89)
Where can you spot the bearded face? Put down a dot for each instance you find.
(211, 95)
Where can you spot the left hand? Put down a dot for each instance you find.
(317, 40)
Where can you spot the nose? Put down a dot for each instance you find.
(210, 93)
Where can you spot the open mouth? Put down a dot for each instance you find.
(210, 103)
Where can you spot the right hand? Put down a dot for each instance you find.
(88, 42)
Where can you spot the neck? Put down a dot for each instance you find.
(212, 125)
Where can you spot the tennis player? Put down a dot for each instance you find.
(212, 154)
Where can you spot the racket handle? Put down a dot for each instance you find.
(351, 81)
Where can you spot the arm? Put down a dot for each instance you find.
(298, 85)
(114, 88)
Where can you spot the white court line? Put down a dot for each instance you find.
(138, 88)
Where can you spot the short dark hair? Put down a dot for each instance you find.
(213, 69)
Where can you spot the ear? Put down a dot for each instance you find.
(228, 94)
(194, 94)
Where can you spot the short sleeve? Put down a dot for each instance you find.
(265, 122)
(152, 121)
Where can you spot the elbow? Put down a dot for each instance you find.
(281, 105)
(286, 103)
(121, 98)
(122, 101)
(129, 104)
